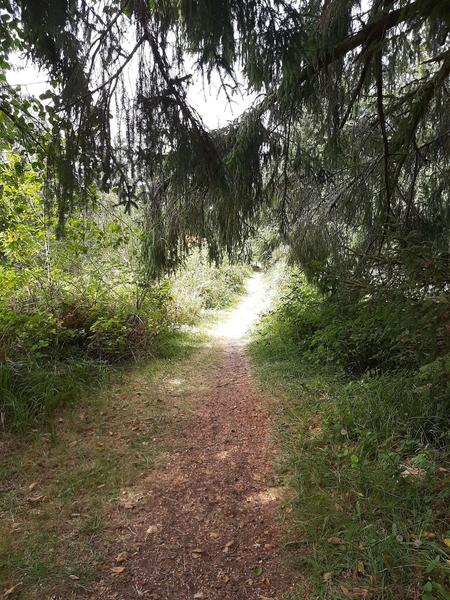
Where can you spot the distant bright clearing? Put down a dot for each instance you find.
(256, 301)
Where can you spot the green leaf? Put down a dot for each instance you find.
(432, 565)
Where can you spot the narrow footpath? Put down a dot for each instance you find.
(207, 525)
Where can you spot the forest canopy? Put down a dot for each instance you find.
(345, 148)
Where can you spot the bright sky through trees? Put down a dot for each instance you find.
(209, 100)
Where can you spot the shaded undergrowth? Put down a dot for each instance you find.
(365, 445)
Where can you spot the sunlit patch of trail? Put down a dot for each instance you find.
(257, 300)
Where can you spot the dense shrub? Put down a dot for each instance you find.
(365, 429)
(377, 334)
(109, 329)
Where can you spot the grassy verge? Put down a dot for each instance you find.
(365, 456)
(32, 391)
(62, 483)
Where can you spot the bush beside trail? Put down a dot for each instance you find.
(365, 430)
(200, 285)
(54, 349)
(71, 307)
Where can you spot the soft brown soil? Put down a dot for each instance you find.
(206, 524)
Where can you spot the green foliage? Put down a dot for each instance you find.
(70, 307)
(81, 293)
(266, 245)
(380, 333)
(364, 427)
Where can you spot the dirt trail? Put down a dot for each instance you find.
(208, 526)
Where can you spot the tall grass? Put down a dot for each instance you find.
(32, 390)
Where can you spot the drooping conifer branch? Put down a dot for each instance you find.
(330, 150)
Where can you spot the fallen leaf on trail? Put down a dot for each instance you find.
(199, 595)
(356, 592)
(32, 486)
(336, 541)
(447, 541)
(327, 576)
(197, 552)
(360, 567)
(12, 590)
(74, 577)
(152, 529)
(117, 570)
(414, 472)
(228, 546)
(121, 557)
(35, 499)
(214, 535)
(428, 535)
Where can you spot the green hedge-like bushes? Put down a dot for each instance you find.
(364, 428)
(376, 335)
(201, 285)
